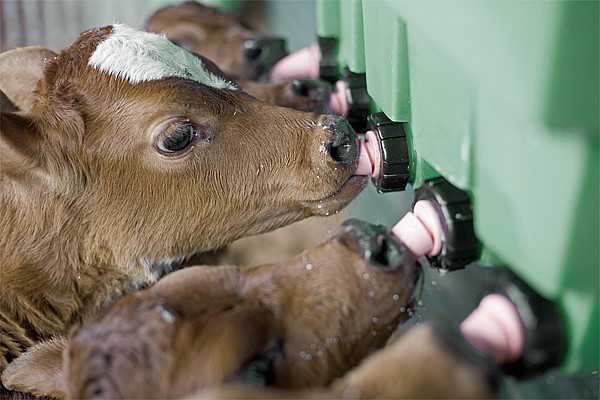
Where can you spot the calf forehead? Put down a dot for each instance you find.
(137, 56)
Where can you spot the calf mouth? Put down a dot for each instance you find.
(336, 201)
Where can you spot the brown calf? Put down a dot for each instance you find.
(221, 38)
(293, 325)
(134, 156)
(240, 52)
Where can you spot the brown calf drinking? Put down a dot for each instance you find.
(296, 324)
(240, 52)
(135, 155)
(222, 38)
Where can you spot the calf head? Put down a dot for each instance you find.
(222, 38)
(137, 154)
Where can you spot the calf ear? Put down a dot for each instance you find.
(19, 139)
(5, 104)
(20, 71)
(38, 371)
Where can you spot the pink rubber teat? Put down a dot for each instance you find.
(427, 214)
(301, 64)
(369, 156)
(421, 231)
(338, 102)
(494, 327)
(411, 231)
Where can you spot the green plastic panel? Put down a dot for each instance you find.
(352, 47)
(328, 18)
(344, 21)
(502, 100)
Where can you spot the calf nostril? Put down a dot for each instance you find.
(343, 146)
(377, 245)
(342, 152)
(389, 254)
(300, 88)
(311, 87)
(265, 50)
(252, 50)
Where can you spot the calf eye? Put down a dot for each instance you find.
(178, 139)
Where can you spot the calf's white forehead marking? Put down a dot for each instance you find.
(137, 56)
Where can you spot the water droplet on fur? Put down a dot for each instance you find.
(365, 275)
(78, 276)
(166, 315)
(396, 297)
(331, 340)
(309, 267)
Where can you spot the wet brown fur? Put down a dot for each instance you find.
(416, 366)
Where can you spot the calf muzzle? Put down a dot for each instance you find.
(261, 54)
(378, 246)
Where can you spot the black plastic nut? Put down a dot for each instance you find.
(461, 246)
(358, 99)
(395, 160)
(545, 334)
(328, 63)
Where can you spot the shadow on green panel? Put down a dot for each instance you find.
(572, 96)
(581, 276)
